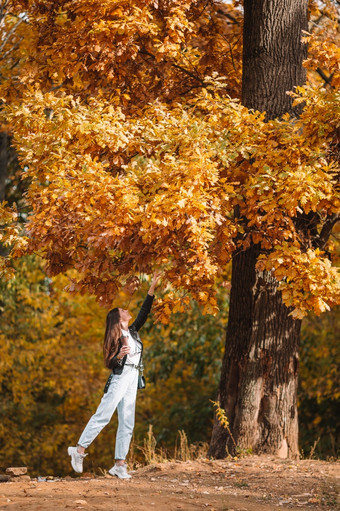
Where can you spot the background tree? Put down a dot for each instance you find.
(182, 176)
(43, 336)
(319, 386)
(11, 37)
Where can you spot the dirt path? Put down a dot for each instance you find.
(255, 483)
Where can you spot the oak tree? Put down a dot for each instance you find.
(139, 154)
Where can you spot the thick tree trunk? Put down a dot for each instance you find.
(259, 376)
(273, 54)
(260, 367)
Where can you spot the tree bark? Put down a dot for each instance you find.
(3, 164)
(273, 54)
(258, 386)
(260, 368)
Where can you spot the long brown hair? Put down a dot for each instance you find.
(113, 333)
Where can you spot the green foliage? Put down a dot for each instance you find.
(49, 367)
(52, 374)
(319, 391)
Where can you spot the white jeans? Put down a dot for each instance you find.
(121, 395)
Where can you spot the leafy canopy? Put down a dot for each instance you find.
(139, 154)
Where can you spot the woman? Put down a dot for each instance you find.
(123, 355)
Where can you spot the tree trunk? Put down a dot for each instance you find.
(258, 386)
(3, 164)
(273, 54)
(260, 367)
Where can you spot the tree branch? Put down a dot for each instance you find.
(145, 52)
(326, 79)
(8, 35)
(229, 16)
(321, 240)
(189, 74)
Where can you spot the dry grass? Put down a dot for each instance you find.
(183, 451)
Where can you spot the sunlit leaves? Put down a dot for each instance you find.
(307, 280)
(139, 49)
(120, 185)
(11, 237)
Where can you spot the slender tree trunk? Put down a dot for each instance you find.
(3, 164)
(259, 376)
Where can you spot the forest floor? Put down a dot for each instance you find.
(254, 483)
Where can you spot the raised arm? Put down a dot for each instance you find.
(147, 304)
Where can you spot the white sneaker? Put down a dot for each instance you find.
(76, 459)
(119, 471)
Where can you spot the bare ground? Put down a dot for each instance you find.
(254, 483)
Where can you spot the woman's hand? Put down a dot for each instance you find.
(125, 350)
(156, 277)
